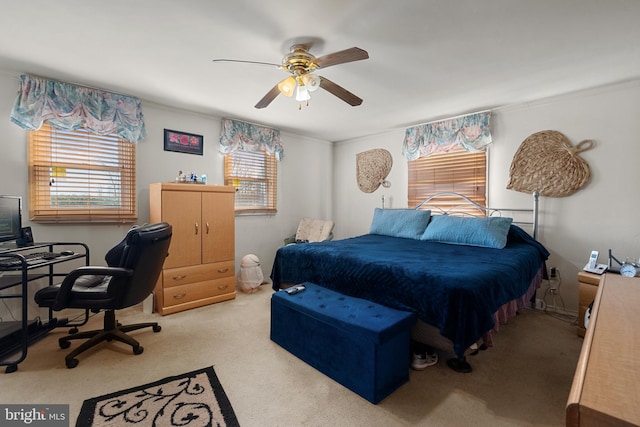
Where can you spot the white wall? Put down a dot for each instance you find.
(354, 208)
(317, 178)
(304, 180)
(601, 216)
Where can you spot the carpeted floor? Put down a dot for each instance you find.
(523, 381)
(190, 399)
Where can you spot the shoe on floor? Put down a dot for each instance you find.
(421, 361)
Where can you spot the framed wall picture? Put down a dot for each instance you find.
(183, 142)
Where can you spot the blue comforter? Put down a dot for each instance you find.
(455, 288)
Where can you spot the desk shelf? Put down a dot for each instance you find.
(605, 386)
(11, 280)
(16, 336)
(11, 333)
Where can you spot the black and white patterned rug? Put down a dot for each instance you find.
(191, 399)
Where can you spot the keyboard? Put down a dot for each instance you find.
(32, 259)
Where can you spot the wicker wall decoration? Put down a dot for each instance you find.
(546, 162)
(372, 168)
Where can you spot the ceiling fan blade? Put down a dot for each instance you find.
(340, 92)
(247, 62)
(341, 57)
(269, 97)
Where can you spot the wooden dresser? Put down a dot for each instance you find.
(606, 385)
(200, 267)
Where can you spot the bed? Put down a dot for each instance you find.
(462, 277)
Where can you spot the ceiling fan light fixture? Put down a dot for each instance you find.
(287, 86)
(302, 94)
(301, 65)
(311, 81)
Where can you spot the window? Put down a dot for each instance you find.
(79, 176)
(459, 171)
(254, 175)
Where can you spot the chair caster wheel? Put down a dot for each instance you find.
(71, 363)
(10, 368)
(138, 349)
(157, 328)
(64, 344)
(73, 330)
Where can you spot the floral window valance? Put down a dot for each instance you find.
(68, 106)
(471, 132)
(242, 136)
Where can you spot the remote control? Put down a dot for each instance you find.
(295, 289)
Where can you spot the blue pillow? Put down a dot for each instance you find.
(490, 232)
(407, 223)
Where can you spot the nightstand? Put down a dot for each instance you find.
(587, 288)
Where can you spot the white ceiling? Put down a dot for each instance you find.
(429, 59)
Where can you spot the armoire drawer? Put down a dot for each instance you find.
(197, 273)
(197, 291)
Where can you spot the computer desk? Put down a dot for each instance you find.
(16, 336)
(606, 383)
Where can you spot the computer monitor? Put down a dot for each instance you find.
(10, 218)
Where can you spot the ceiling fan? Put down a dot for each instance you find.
(302, 64)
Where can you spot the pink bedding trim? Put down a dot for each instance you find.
(511, 308)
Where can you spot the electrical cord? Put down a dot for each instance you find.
(4, 302)
(79, 316)
(553, 290)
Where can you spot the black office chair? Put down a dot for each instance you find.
(134, 266)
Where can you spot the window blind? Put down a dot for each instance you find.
(458, 171)
(254, 176)
(79, 176)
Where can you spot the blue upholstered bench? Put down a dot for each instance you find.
(360, 344)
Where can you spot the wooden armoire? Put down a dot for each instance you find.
(200, 267)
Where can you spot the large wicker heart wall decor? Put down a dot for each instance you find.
(546, 162)
(372, 168)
